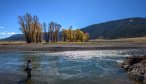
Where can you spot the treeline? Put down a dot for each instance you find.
(35, 32)
(51, 32)
(74, 35)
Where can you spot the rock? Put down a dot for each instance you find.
(131, 60)
(143, 61)
(126, 67)
(136, 77)
(136, 67)
(137, 72)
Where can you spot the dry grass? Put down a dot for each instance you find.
(134, 40)
(92, 42)
(12, 42)
(137, 40)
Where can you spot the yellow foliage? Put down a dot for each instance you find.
(74, 35)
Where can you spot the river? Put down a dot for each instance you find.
(68, 67)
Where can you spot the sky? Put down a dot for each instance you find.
(75, 13)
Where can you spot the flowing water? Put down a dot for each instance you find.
(69, 67)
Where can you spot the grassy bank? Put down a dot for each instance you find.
(12, 42)
(95, 41)
(134, 40)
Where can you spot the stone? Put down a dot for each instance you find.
(136, 77)
(137, 72)
(131, 60)
(136, 67)
(126, 67)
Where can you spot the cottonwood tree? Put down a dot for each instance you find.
(74, 35)
(31, 28)
(51, 32)
(56, 32)
(70, 34)
(64, 34)
(46, 32)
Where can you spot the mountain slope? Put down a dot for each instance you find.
(123, 28)
(16, 37)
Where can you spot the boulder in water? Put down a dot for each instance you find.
(130, 61)
(137, 71)
(136, 67)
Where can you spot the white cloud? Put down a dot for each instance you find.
(1, 27)
(7, 33)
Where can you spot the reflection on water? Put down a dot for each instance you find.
(25, 81)
(69, 67)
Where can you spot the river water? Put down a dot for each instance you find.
(68, 67)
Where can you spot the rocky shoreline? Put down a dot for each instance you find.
(136, 67)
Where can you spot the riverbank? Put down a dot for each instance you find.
(56, 47)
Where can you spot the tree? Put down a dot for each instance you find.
(46, 32)
(57, 28)
(79, 35)
(31, 28)
(70, 34)
(64, 34)
(74, 35)
(54, 30)
(51, 30)
(86, 37)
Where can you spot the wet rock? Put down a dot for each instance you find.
(136, 67)
(136, 77)
(126, 67)
(131, 60)
(137, 71)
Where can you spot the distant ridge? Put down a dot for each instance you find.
(15, 37)
(122, 28)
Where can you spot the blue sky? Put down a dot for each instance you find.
(76, 13)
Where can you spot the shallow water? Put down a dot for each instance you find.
(69, 67)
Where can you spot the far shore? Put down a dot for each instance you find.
(69, 46)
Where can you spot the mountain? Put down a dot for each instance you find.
(15, 37)
(123, 28)
(21, 37)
